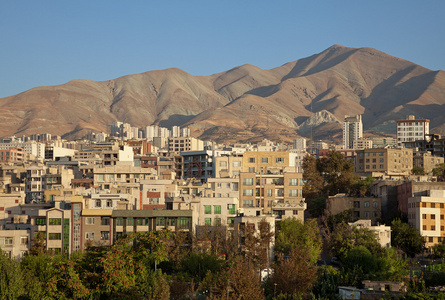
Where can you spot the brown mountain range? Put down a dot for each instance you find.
(308, 96)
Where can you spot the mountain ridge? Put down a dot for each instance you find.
(245, 103)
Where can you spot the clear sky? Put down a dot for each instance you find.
(52, 42)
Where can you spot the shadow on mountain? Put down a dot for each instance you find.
(390, 94)
(176, 120)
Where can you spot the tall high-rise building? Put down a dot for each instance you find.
(352, 130)
(411, 130)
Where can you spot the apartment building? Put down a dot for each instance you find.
(427, 213)
(14, 243)
(263, 190)
(363, 208)
(228, 165)
(384, 160)
(361, 144)
(352, 131)
(198, 165)
(33, 149)
(426, 161)
(410, 130)
(12, 155)
(184, 144)
(408, 189)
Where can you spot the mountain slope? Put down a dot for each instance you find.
(245, 103)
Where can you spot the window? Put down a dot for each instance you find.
(98, 203)
(223, 164)
(375, 204)
(251, 159)
(208, 221)
(293, 181)
(109, 203)
(424, 227)
(264, 160)
(217, 209)
(424, 216)
(24, 240)
(100, 177)
(293, 193)
(55, 236)
(235, 173)
(230, 222)
(105, 221)
(430, 239)
(279, 160)
(41, 221)
(248, 192)
(6, 241)
(269, 192)
(142, 221)
(248, 181)
(160, 221)
(217, 222)
(183, 222)
(207, 209)
(119, 221)
(236, 164)
(231, 208)
(433, 227)
(248, 203)
(367, 214)
(105, 235)
(55, 221)
(366, 203)
(251, 169)
(89, 235)
(130, 222)
(433, 217)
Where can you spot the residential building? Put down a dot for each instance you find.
(365, 208)
(362, 143)
(352, 130)
(14, 243)
(408, 189)
(410, 130)
(228, 166)
(427, 213)
(382, 232)
(384, 161)
(12, 155)
(426, 161)
(184, 144)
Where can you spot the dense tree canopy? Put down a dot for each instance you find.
(406, 238)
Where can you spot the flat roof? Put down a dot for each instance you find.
(151, 213)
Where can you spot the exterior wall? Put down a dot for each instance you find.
(262, 190)
(426, 161)
(352, 130)
(362, 143)
(261, 161)
(410, 130)
(217, 212)
(427, 213)
(364, 208)
(414, 189)
(10, 206)
(198, 165)
(14, 155)
(96, 227)
(31, 148)
(228, 166)
(390, 161)
(183, 144)
(14, 243)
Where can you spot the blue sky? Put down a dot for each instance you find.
(53, 42)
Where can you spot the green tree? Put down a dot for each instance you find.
(12, 284)
(317, 206)
(338, 173)
(314, 182)
(439, 170)
(344, 238)
(406, 238)
(291, 233)
(418, 171)
(439, 250)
